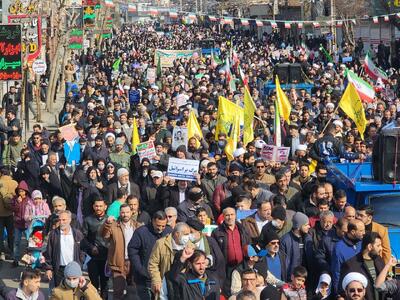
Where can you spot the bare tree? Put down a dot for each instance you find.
(347, 10)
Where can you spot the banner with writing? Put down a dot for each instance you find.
(167, 57)
(10, 52)
(76, 39)
(182, 169)
(275, 153)
(147, 150)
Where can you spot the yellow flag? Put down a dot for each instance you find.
(283, 101)
(194, 127)
(249, 109)
(312, 166)
(352, 106)
(135, 136)
(233, 139)
(227, 113)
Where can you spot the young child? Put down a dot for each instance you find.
(37, 209)
(19, 205)
(296, 289)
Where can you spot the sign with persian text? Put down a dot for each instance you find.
(10, 52)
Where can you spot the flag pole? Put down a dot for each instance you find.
(330, 119)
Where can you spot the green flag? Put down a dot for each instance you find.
(116, 64)
(326, 53)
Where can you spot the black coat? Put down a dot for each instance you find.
(170, 196)
(186, 286)
(113, 188)
(221, 236)
(52, 253)
(357, 264)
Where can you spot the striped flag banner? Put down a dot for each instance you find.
(109, 3)
(288, 25)
(300, 25)
(375, 20)
(173, 15)
(339, 23)
(316, 25)
(273, 24)
(244, 22)
(131, 8)
(212, 18)
(364, 89)
(386, 18)
(259, 23)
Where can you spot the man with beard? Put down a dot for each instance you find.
(63, 247)
(139, 249)
(346, 248)
(95, 245)
(367, 262)
(195, 199)
(193, 152)
(354, 284)
(211, 180)
(197, 282)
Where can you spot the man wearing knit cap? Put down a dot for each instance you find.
(129, 187)
(119, 157)
(74, 286)
(297, 245)
(354, 284)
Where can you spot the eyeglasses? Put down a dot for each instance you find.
(353, 290)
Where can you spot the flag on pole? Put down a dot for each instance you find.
(233, 138)
(194, 128)
(283, 102)
(353, 107)
(243, 77)
(277, 126)
(227, 111)
(116, 64)
(364, 89)
(248, 114)
(372, 70)
(135, 136)
(326, 53)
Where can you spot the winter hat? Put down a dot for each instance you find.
(299, 219)
(73, 269)
(38, 235)
(37, 194)
(270, 236)
(278, 212)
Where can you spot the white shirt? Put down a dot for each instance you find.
(128, 233)
(182, 196)
(260, 223)
(66, 248)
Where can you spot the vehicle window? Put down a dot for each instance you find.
(386, 208)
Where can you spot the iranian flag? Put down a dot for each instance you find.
(364, 89)
(372, 70)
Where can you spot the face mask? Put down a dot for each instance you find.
(221, 144)
(184, 239)
(93, 136)
(193, 238)
(72, 283)
(118, 130)
(275, 223)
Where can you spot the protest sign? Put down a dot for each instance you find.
(147, 150)
(68, 132)
(167, 57)
(179, 137)
(274, 153)
(182, 169)
(151, 75)
(181, 100)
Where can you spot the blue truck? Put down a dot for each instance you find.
(361, 188)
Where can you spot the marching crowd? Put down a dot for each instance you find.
(246, 228)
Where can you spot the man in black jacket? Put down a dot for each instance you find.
(123, 182)
(197, 282)
(62, 248)
(233, 252)
(95, 245)
(368, 263)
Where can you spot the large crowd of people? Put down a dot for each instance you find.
(246, 228)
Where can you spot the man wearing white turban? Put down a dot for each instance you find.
(354, 285)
